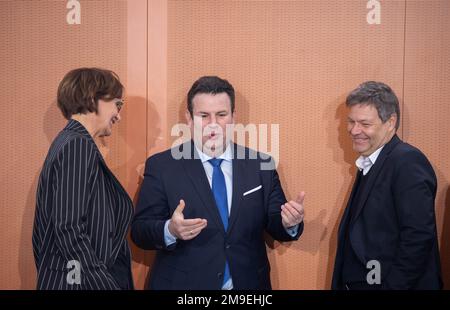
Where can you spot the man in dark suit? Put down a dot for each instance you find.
(387, 237)
(205, 204)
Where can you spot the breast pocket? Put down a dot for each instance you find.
(252, 210)
(252, 190)
(253, 196)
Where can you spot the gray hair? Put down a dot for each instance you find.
(378, 95)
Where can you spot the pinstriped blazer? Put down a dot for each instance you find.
(83, 215)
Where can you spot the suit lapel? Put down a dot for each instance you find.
(239, 172)
(196, 173)
(375, 171)
(122, 224)
(345, 216)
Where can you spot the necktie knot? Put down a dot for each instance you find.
(215, 161)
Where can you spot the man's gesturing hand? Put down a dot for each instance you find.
(185, 229)
(292, 212)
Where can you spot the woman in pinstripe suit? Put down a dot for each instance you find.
(82, 212)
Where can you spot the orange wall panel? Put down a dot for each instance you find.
(38, 48)
(426, 107)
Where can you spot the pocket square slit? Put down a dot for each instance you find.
(252, 190)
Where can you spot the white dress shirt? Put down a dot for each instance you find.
(227, 169)
(365, 163)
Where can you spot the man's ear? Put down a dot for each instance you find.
(188, 116)
(392, 121)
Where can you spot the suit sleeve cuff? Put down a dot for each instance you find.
(292, 231)
(169, 239)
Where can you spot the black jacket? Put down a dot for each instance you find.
(395, 221)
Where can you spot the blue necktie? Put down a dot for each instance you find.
(219, 190)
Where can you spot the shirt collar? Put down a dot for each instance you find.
(372, 158)
(227, 155)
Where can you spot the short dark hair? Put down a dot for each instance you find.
(210, 85)
(380, 96)
(80, 90)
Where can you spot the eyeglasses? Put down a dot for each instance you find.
(119, 104)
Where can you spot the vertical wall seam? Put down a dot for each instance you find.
(146, 82)
(402, 118)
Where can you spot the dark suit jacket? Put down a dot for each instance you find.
(82, 214)
(199, 263)
(395, 222)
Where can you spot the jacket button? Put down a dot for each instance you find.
(83, 218)
(219, 275)
(227, 246)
